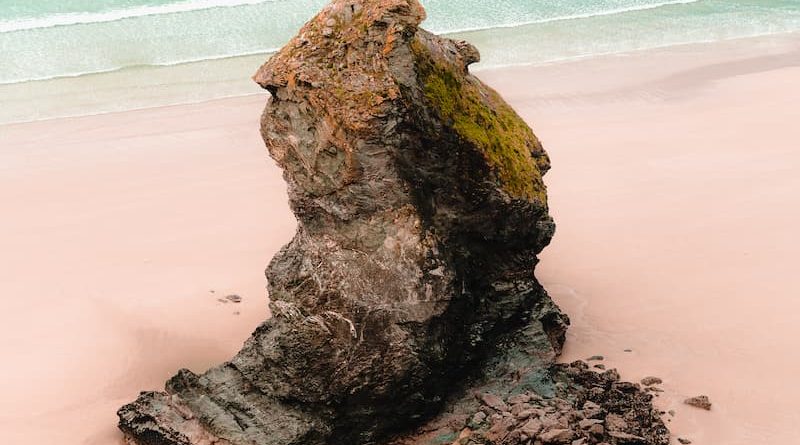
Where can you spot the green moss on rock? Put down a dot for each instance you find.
(479, 115)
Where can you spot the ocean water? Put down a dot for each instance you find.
(67, 57)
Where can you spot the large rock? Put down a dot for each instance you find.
(421, 209)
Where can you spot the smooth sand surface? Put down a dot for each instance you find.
(675, 186)
(115, 230)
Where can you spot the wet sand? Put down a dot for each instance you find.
(675, 183)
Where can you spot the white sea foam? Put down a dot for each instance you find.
(562, 18)
(266, 53)
(119, 14)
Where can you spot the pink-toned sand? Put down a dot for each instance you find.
(676, 189)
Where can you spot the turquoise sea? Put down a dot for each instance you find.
(69, 57)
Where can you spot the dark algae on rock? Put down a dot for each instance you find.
(421, 208)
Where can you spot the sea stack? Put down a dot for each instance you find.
(421, 208)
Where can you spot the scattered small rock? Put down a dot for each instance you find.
(494, 402)
(519, 398)
(526, 413)
(234, 298)
(557, 436)
(600, 366)
(671, 412)
(605, 411)
(650, 381)
(588, 423)
(684, 441)
(626, 437)
(595, 358)
(616, 422)
(478, 418)
(499, 430)
(597, 429)
(628, 350)
(222, 300)
(592, 410)
(699, 402)
(531, 427)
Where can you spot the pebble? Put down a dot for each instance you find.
(557, 436)
(650, 381)
(595, 358)
(519, 408)
(699, 402)
(494, 402)
(519, 398)
(684, 441)
(626, 437)
(585, 424)
(616, 422)
(597, 430)
(531, 427)
(479, 418)
(591, 410)
(234, 298)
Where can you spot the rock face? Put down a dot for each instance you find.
(421, 209)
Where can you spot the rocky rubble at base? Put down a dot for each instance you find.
(584, 408)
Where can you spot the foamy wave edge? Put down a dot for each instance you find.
(266, 52)
(587, 15)
(196, 5)
(270, 51)
(120, 14)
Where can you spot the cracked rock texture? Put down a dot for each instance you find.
(421, 209)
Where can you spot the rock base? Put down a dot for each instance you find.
(518, 403)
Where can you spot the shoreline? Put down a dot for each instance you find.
(242, 87)
(125, 222)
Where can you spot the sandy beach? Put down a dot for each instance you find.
(675, 183)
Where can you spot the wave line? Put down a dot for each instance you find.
(562, 18)
(83, 18)
(266, 52)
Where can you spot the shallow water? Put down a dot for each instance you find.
(75, 57)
